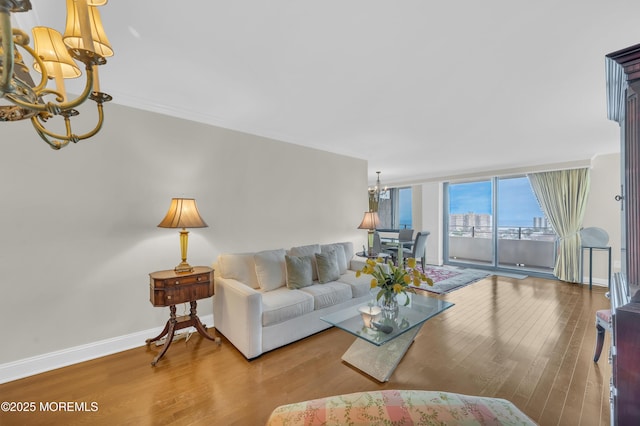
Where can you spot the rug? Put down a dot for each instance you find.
(447, 278)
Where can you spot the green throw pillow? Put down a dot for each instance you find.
(299, 271)
(328, 269)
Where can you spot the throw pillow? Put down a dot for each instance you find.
(239, 266)
(270, 269)
(340, 255)
(298, 271)
(309, 250)
(328, 269)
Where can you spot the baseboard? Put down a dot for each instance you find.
(600, 282)
(50, 361)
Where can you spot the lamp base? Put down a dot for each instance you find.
(183, 268)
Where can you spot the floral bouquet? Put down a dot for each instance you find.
(393, 280)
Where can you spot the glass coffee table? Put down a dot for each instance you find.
(381, 344)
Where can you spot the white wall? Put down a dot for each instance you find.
(430, 213)
(79, 234)
(602, 211)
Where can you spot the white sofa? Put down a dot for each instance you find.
(257, 307)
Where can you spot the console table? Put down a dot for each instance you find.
(168, 288)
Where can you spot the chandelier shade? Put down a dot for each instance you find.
(54, 56)
(75, 38)
(51, 49)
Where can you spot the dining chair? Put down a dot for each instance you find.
(419, 249)
(405, 238)
(377, 245)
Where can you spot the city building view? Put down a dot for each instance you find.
(519, 236)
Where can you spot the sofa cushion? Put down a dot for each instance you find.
(328, 294)
(299, 271)
(283, 304)
(340, 255)
(309, 250)
(270, 269)
(328, 269)
(240, 267)
(360, 286)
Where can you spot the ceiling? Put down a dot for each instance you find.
(420, 89)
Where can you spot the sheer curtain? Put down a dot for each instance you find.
(562, 196)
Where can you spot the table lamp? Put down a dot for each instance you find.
(370, 221)
(183, 213)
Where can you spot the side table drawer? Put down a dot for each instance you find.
(167, 288)
(178, 281)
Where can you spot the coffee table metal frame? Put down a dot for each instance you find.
(377, 353)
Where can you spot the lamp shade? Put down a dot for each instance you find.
(183, 213)
(370, 221)
(54, 54)
(74, 37)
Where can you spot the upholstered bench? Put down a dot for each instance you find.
(400, 407)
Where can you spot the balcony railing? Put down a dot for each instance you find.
(522, 247)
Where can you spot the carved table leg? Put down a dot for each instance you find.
(159, 336)
(202, 329)
(170, 333)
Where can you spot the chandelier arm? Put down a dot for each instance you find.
(23, 41)
(98, 124)
(7, 51)
(69, 136)
(54, 144)
(57, 108)
(50, 137)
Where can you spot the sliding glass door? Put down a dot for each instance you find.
(497, 223)
(470, 217)
(525, 239)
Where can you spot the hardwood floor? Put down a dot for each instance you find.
(529, 341)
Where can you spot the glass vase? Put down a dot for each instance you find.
(389, 305)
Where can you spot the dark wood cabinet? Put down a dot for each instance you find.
(623, 86)
(627, 364)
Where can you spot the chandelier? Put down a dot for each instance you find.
(53, 56)
(374, 195)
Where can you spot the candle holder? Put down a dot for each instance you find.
(369, 314)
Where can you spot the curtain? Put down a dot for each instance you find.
(562, 196)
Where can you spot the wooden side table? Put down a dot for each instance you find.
(168, 288)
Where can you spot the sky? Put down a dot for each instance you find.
(405, 207)
(517, 205)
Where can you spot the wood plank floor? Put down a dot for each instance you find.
(530, 341)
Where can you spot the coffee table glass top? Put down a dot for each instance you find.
(385, 329)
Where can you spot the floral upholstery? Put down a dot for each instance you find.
(400, 407)
(604, 315)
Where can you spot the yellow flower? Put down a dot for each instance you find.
(371, 262)
(416, 281)
(407, 279)
(411, 262)
(397, 288)
(358, 273)
(374, 283)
